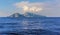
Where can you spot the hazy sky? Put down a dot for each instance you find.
(41, 7)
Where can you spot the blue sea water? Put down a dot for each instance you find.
(30, 26)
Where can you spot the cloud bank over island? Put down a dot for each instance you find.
(48, 8)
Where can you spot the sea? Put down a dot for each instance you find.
(30, 26)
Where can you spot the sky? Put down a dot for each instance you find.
(49, 8)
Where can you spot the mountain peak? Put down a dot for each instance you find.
(18, 15)
(32, 15)
(28, 14)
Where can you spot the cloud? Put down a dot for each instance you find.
(47, 8)
(27, 6)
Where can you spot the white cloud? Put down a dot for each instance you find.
(29, 6)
